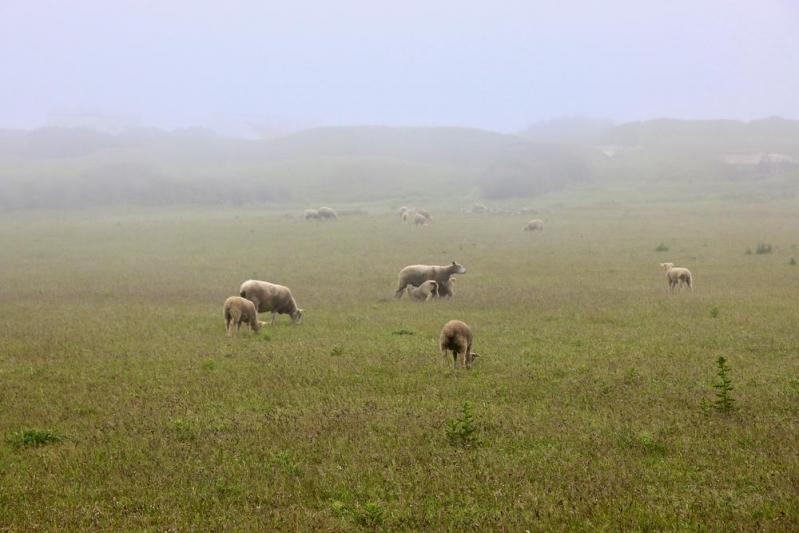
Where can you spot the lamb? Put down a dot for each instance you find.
(534, 225)
(424, 292)
(238, 311)
(418, 274)
(326, 213)
(456, 337)
(311, 214)
(447, 289)
(271, 298)
(675, 276)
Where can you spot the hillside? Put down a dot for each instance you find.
(55, 167)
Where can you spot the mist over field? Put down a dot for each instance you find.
(605, 193)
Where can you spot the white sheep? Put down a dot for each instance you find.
(238, 311)
(271, 298)
(534, 225)
(456, 337)
(311, 214)
(327, 213)
(418, 274)
(424, 292)
(676, 276)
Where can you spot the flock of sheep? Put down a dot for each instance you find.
(420, 282)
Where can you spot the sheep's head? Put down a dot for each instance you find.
(459, 269)
(257, 325)
(296, 316)
(667, 266)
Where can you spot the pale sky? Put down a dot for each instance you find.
(497, 65)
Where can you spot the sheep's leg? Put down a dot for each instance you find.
(274, 317)
(227, 327)
(400, 290)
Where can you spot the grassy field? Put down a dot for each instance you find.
(124, 406)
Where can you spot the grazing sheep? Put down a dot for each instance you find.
(418, 274)
(311, 214)
(424, 292)
(271, 298)
(420, 220)
(326, 213)
(534, 225)
(456, 337)
(676, 276)
(424, 212)
(236, 311)
(447, 289)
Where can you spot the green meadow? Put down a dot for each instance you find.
(123, 406)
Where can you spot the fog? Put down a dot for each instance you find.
(493, 65)
(186, 102)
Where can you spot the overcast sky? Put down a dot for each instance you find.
(494, 64)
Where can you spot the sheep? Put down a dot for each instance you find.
(326, 213)
(424, 292)
(675, 276)
(271, 298)
(238, 310)
(420, 220)
(456, 337)
(418, 274)
(401, 211)
(534, 225)
(447, 289)
(311, 214)
(424, 212)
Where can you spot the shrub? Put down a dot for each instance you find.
(33, 438)
(662, 247)
(724, 401)
(792, 262)
(763, 248)
(714, 312)
(462, 431)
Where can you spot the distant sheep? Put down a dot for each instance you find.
(311, 214)
(424, 212)
(327, 213)
(421, 220)
(271, 298)
(447, 289)
(456, 337)
(418, 274)
(676, 276)
(424, 292)
(238, 311)
(534, 225)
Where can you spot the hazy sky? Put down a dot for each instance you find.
(493, 64)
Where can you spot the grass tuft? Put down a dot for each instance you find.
(32, 438)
